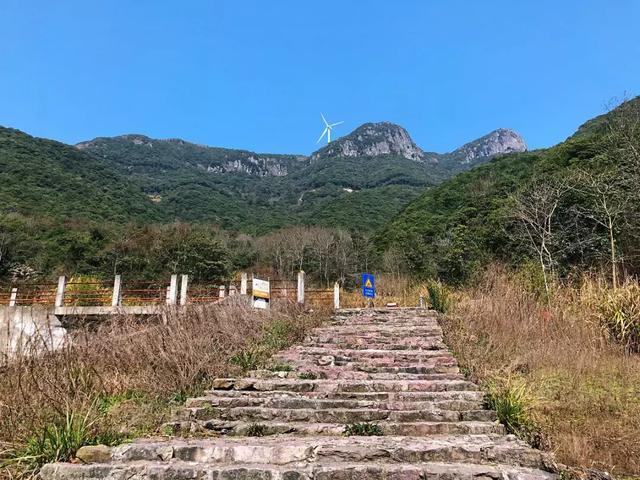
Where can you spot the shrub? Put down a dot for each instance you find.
(513, 404)
(281, 367)
(256, 430)
(307, 376)
(439, 297)
(247, 359)
(365, 429)
(61, 439)
(619, 314)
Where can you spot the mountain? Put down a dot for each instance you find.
(498, 142)
(373, 140)
(41, 177)
(359, 181)
(454, 228)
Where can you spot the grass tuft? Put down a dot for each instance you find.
(365, 429)
(256, 430)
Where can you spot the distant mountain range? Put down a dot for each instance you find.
(361, 180)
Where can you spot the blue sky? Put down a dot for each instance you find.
(256, 74)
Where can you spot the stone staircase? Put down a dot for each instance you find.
(386, 373)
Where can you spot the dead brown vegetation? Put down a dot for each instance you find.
(582, 386)
(126, 373)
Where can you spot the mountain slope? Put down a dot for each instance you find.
(467, 220)
(256, 192)
(46, 178)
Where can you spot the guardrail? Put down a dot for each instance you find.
(177, 290)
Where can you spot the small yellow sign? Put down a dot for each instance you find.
(368, 283)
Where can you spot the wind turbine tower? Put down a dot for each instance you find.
(327, 129)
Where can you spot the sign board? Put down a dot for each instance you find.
(368, 285)
(261, 292)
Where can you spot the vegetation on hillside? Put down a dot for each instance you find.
(573, 206)
(43, 178)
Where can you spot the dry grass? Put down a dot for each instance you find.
(584, 388)
(125, 374)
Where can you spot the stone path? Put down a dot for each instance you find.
(383, 372)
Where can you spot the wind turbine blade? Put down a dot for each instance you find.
(337, 123)
(323, 133)
(324, 120)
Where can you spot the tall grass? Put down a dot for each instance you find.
(579, 381)
(119, 378)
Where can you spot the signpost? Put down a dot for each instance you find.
(261, 292)
(368, 285)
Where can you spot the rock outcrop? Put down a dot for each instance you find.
(498, 142)
(374, 395)
(372, 140)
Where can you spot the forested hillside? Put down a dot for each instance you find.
(361, 180)
(572, 205)
(41, 177)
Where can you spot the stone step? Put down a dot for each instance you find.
(338, 372)
(251, 471)
(363, 372)
(283, 450)
(380, 331)
(368, 353)
(323, 404)
(342, 385)
(342, 373)
(398, 344)
(244, 428)
(333, 415)
(467, 395)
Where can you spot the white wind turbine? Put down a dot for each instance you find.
(327, 129)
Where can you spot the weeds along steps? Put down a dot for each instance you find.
(372, 395)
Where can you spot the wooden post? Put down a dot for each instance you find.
(116, 295)
(184, 286)
(172, 293)
(301, 286)
(62, 284)
(13, 299)
(336, 295)
(221, 291)
(243, 283)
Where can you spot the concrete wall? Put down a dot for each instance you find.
(28, 327)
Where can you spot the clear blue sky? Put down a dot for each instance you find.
(255, 74)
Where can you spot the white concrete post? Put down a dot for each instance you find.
(232, 290)
(116, 295)
(221, 291)
(172, 293)
(184, 285)
(62, 284)
(300, 286)
(336, 295)
(13, 299)
(243, 283)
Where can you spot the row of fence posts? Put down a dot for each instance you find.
(172, 297)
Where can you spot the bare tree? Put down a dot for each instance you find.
(535, 210)
(607, 207)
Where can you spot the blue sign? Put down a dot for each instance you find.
(368, 285)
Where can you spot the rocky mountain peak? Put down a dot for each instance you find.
(373, 139)
(500, 141)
